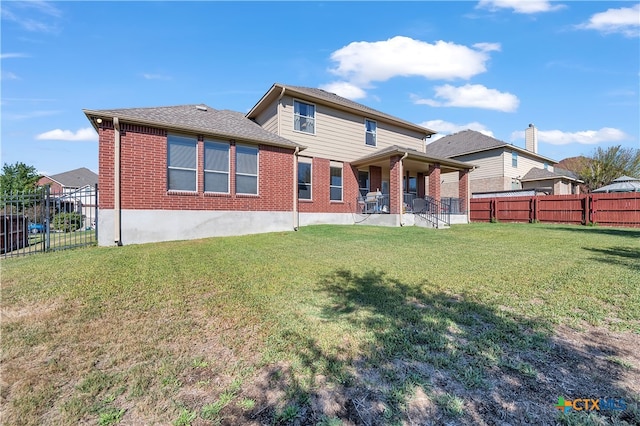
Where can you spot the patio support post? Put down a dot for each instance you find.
(420, 185)
(463, 190)
(375, 178)
(434, 181)
(395, 184)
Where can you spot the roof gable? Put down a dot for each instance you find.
(75, 178)
(198, 119)
(331, 99)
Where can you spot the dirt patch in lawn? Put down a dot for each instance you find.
(592, 363)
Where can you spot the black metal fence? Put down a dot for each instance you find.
(42, 220)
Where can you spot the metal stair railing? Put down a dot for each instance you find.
(432, 210)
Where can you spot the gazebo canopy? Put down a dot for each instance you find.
(622, 184)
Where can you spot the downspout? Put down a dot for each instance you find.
(116, 183)
(296, 216)
(401, 195)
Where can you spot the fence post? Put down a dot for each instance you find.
(592, 209)
(47, 218)
(95, 209)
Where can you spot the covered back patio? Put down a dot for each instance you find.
(394, 180)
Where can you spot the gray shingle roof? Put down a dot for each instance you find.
(320, 95)
(470, 141)
(464, 142)
(76, 178)
(540, 174)
(196, 118)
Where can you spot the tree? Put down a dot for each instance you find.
(18, 177)
(605, 165)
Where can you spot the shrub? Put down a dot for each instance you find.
(67, 222)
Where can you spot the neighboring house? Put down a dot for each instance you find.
(621, 184)
(74, 191)
(300, 156)
(71, 181)
(502, 167)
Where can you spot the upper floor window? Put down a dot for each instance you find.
(370, 132)
(181, 163)
(546, 165)
(335, 184)
(216, 167)
(514, 159)
(304, 117)
(246, 169)
(304, 180)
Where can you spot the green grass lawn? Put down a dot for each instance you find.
(327, 325)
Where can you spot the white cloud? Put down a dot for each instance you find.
(471, 96)
(586, 137)
(625, 20)
(86, 134)
(8, 75)
(344, 89)
(28, 14)
(446, 127)
(363, 62)
(13, 55)
(156, 76)
(520, 6)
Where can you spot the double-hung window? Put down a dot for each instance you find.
(304, 117)
(216, 167)
(370, 128)
(304, 179)
(246, 169)
(335, 184)
(181, 163)
(514, 159)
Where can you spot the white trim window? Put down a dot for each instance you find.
(246, 169)
(182, 160)
(335, 183)
(304, 179)
(370, 128)
(216, 167)
(304, 117)
(514, 159)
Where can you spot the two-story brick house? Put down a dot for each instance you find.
(300, 156)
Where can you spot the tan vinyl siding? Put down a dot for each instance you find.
(525, 164)
(490, 164)
(268, 119)
(341, 135)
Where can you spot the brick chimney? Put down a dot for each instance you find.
(531, 139)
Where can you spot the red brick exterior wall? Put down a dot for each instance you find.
(143, 175)
(463, 184)
(320, 180)
(55, 186)
(395, 180)
(420, 185)
(434, 181)
(375, 178)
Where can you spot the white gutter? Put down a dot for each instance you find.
(401, 195)
(296, 218)
(116, 182)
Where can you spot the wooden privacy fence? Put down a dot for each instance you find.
(607, 209)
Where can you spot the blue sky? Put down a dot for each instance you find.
(571, 68)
